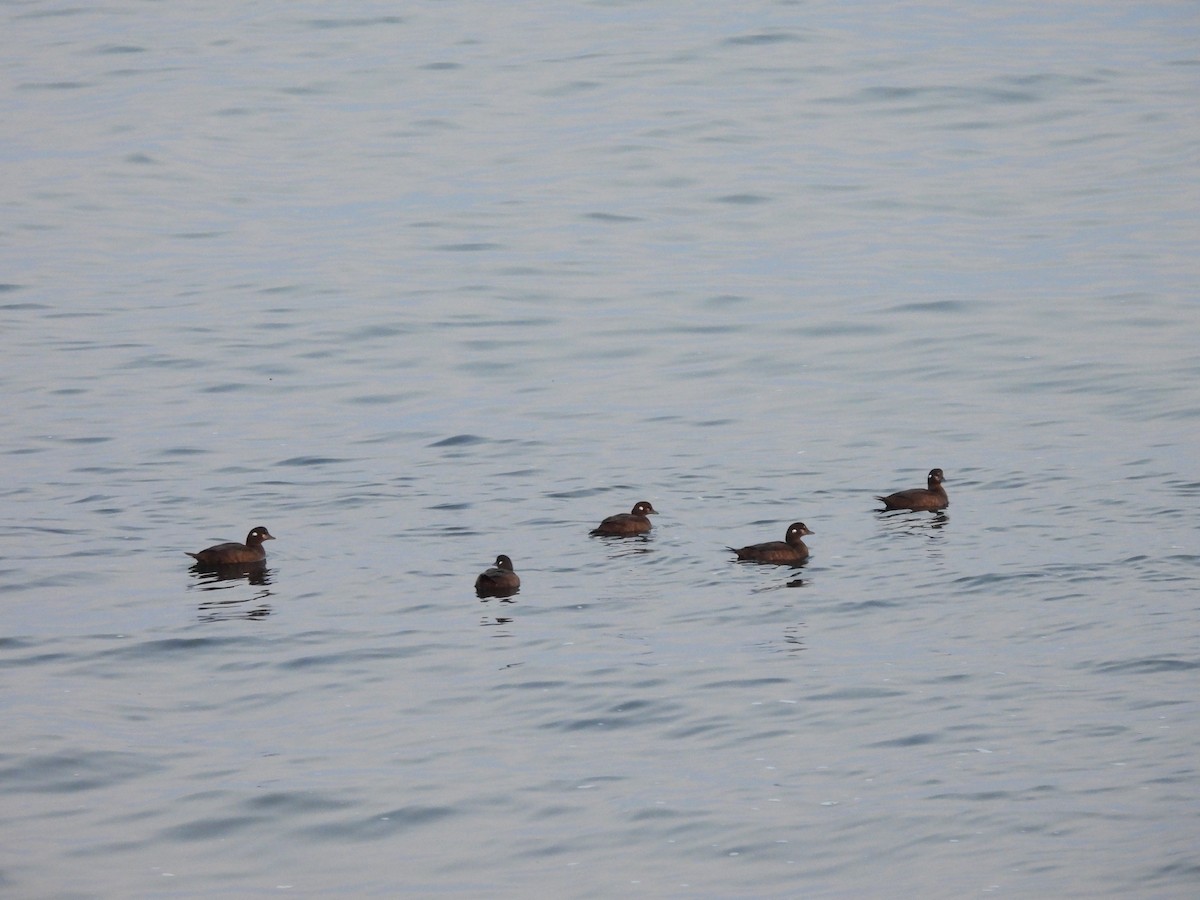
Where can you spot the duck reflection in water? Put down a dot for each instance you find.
(493, 621)
(929, 525)
(236, 605)
(793, 639)
(240, 608)
(790, 582)
(211, 577)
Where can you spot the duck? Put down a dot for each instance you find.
(789, 551)
(498, 581)
(233, 553)
(632, 522)
(930, 498)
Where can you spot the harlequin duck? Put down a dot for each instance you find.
(790, 550)
(498, 581)
(930, 498)
(233, 553)
(633, 522)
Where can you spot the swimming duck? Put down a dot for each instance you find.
(790, 550)
(930, 498)
(233, 553)
(498, 581)
(633, 522)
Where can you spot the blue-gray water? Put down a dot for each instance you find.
(416, 284)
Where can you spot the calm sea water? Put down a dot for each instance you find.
(416, 285)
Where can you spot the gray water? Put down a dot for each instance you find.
(413, 285)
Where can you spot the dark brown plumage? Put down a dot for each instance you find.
(633, 522)
(930, 498)
(233, 553)
(789, 551)
(498, 581)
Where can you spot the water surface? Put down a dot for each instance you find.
(413, 287)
